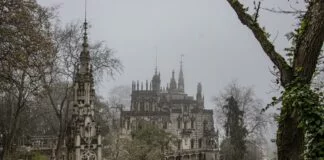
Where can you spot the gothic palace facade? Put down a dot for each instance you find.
(177, 113)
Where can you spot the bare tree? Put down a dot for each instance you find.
(25, 52)
(120, 95)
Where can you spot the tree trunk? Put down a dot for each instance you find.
(10, 136)
(290, 138)
(60, 140)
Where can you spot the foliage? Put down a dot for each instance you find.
(116, 146)
(149, 142)
(38, 156)
(299, 99)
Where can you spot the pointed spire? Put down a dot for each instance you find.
(156, 81)
(156, 65)
(181, 77)
(85, 56)
(133, 85)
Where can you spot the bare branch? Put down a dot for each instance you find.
(281, 11)
(260, 35)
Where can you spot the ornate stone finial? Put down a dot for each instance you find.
(85, 56)
(85, 34)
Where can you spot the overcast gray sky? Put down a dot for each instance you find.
(217, 48)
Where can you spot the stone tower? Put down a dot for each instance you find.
(156, 81)
(85, 138)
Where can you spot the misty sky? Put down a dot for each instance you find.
(217, 48)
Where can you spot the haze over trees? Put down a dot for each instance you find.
(242, 124)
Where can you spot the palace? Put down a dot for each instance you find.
(171, 109)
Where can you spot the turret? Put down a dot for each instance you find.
(83, 82)
(173, 83)
(199, 96)
(133, 86)
(156, 81)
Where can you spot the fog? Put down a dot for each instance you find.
(217, 48)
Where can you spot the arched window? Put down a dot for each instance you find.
(150, 107)
(179, 123)
(200, 142)
(205, 125)
(186, 108)
(142, 107)
(192, 143)
(179, 144)
(192, 123)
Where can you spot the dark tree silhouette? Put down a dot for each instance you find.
(234, 146)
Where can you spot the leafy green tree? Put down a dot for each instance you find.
(302, 115)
